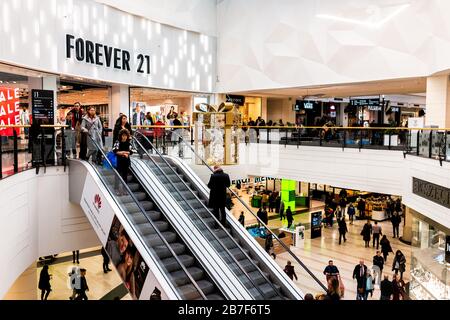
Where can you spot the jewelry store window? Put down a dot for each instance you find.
(430, 274)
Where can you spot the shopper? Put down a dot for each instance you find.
(397, 287)
(333, 292)
(331, 271)
(74, 281)
(218, 184)
(289, 217)
(105, 261)
(92, 126)
(70, 137)
(289, 270)
(385, 247)
(396, 220)
(268, 245)
(369, 285)
(81, 292)
(399, 263)
(359, 273)
(272, 200)
(281, 210)
(122, 149)
(342, 227)
(365, 232)
(351, 212)
(76, 256)
(386, 289)
(265, 216)
(376, 233)
(241, 219)
(398, 206)
(362, 208)
(121, 124)
(44, 282)
(378, 264)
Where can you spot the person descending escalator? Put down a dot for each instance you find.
(218, 184)
(122, 149)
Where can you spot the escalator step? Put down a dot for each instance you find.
(172, 265)
(163, 252)
(257, 276)
(140, 196)
(154, 215)
(147, 228)
(269, 291)
(134, 186)
(148, 205)
(189, 292)
(246, 265)
(181, 278)
(214, 297)
(154, 239)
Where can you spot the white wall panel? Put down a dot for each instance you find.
(38, 220)
(291, 43)
(194, 15)
(33, 34)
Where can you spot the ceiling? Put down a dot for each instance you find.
(399, 86)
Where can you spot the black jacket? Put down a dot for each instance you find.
(218, 184)
(342, 226)
(357, 274)
(385, 245)
(117, 129)
(44, 280)
(386, 288)
(289, 215)
(378, 261)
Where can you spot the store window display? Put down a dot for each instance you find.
(430, 273)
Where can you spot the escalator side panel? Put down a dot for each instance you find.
(257, 252)
(87, 190)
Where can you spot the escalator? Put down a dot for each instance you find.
(172, 264)
(264, 280)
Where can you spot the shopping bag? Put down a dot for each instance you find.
(341, 287)
(112, 159)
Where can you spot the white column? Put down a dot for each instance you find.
(120, 102)
(438, 102)
(51, 83)
(25, 286)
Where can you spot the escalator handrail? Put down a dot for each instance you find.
(117, 175)
(293, 255)
(200, 218)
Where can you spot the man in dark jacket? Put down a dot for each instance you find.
(105, 261)
(378, 264)
(289, 269)
(359, 273)
(81, 293)
(395, 220)
(342, 229)
(218, 184)
(386, 289)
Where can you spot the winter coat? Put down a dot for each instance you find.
(218, 184)
(401, 261)
(385, 246)
(342, 227)
(366, 231)
(94, 127)
(44, 280)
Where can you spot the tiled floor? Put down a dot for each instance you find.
(99, 283)
(317, 252)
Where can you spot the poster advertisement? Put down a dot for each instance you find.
(9, 110)
(316, 224)
(415, 123)
(138, 110)
(126, 258)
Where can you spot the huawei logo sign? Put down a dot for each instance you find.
(98, 201)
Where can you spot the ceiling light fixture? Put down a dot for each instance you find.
(373, 25)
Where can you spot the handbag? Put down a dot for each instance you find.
(112, 157)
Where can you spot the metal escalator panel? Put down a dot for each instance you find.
(219, 237)
(144, 226)
(306, 281)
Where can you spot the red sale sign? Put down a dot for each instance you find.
(9, 110)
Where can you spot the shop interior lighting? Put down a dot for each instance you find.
(373, 25)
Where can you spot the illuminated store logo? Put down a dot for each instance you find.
(104, 55)
(98, 201)
(308, 105)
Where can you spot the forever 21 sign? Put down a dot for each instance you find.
(103, 55)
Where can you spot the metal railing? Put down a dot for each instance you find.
(199, 218)
(260, 222)
(142, 210)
